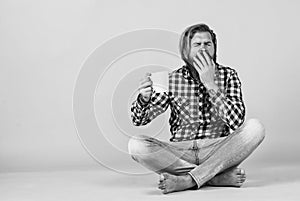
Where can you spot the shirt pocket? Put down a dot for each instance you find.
(183, 109)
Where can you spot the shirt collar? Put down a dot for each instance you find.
(187, 73)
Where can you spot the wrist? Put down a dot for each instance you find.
(211, 86)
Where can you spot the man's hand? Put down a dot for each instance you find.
(145, 88)
(205, 67)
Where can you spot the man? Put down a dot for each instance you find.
(209, 136)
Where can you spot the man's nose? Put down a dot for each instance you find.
(202, 47)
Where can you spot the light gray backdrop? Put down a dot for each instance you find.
(44, 44)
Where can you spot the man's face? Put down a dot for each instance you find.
(201, 41)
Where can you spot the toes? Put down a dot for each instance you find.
(241, 171)
(243, 176)
(165, 175)
(240, 184)
(241, 179)
(162, 185)
(161, 177)
(162, 182)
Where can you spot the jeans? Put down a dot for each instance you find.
(202, 159)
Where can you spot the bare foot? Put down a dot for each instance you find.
(234, 177)
(170, 183)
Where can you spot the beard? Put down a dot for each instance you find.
(193, 71)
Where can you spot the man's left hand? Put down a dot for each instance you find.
(205, 67)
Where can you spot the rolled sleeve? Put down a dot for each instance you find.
(143, 113)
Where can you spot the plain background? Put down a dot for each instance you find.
(44, 43)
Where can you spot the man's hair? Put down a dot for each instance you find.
(188, 34)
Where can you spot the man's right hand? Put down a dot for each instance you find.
(145, 88)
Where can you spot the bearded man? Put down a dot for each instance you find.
(209, 135)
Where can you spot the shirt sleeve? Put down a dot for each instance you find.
(229, 104)
(143, 113)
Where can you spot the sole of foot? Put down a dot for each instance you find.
(169, 183)
(234, 177)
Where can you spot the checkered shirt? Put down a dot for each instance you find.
(195, 113)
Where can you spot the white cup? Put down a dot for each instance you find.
(160, 81)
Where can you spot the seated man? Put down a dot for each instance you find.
(209, 137)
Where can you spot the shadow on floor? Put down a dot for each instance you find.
(256, 177)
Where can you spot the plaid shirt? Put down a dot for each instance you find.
(195, 113)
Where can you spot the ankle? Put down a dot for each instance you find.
(189, 180)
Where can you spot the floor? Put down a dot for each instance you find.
(264, 183)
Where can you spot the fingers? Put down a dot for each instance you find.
(207, 58)
(146, 93)
(146, 90)
(201, 57)
(145, 87)
(197, 64)
(147, 74)
(202, 60)
(145, 82)
(145, 79)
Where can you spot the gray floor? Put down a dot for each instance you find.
(264, 183)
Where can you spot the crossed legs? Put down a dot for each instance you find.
(177, 165)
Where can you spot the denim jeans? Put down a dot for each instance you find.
(202, 159)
